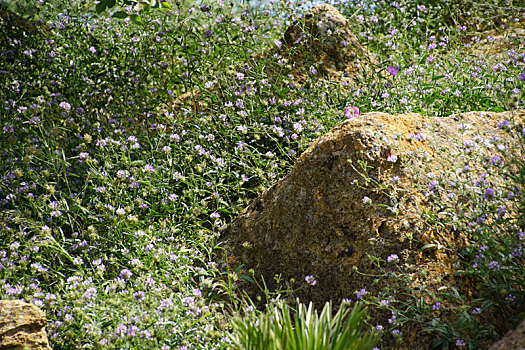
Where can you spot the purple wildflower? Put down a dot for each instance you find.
(310, 280)
(138, 295)
(132, 331)
(393, 70)
(361, 293)
(476, 310)
(392, 258)
(56, 213)
(493, 265)
(149, 167)
(396, 332)
(392, 319)
(489, 194)
(125, 274)
(166, 304)
(90, 293)
(391, 158)
(495, 160)
(121, 330)
(188, 301)
(502, 124)
(419, 137)
(65, 106)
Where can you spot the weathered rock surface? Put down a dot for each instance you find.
(324, 35)
(322, 39)
(324, 217)
(22, 326)
(513, 340)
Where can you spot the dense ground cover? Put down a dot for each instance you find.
(113, 193)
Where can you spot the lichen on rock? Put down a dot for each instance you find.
(22, 326)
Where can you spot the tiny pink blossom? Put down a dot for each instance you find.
(351, 112)
(310, 280)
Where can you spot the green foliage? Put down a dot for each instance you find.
(283, 328)
(486, 206)
(27, 9)
(126, 150)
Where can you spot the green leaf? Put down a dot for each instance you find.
(427, 246)
(165, 5)
(101, 6)
(238, 269)
(277, 329)
(136, 19)
(120, 14)
(248, 278)
(111, 3)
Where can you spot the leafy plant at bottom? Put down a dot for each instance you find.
(306, 329)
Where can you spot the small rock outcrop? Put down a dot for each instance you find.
(321, 44)
(22, 326)
(513, 340)
(350, 194)
(322, 40)
(324, 37)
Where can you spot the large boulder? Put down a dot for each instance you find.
(350, 194)
(22, 326)
(513, 340)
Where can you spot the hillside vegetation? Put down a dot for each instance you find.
(132, 135)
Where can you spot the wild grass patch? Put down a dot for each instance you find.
(113, 190)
